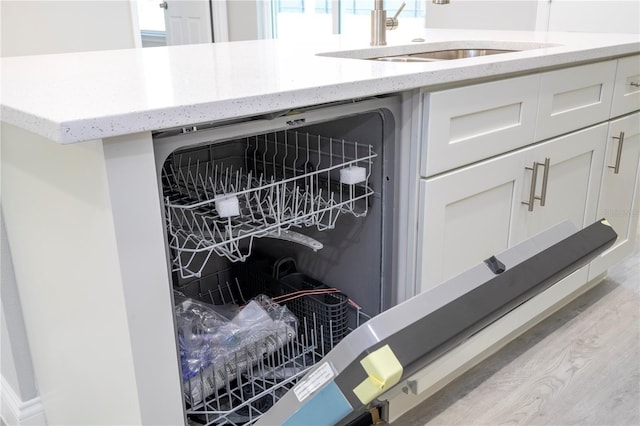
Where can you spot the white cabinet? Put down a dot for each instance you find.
(476, 201)
(573, 98)
(569, 173)
(465, 217)
(619, 193)
(477, 211)
(626, 92)
(471, 123)
(469, 213)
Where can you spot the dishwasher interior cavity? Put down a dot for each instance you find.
(279, 234)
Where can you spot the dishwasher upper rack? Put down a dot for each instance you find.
(219, 197)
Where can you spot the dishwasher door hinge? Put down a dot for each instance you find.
(370, 417)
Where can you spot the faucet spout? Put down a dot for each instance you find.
(380, 23)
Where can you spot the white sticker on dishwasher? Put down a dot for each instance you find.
(314, 381)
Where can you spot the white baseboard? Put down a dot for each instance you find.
(15, 412)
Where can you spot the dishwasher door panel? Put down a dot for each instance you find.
(399, 342)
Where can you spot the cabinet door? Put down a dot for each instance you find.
(574, 98)
(620, 189)
(626, 92)
(466, 216)
(567, 187)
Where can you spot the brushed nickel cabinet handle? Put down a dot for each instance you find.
(532, 188)
(616, 166)
(634, 84)
(545, 179)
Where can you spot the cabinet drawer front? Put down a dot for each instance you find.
(468, 124)
(626, 92)
(574, 98)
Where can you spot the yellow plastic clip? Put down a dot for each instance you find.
(384, 370)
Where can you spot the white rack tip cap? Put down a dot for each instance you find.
(352, 175)
(228, 206)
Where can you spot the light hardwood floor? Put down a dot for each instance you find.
(580, 366)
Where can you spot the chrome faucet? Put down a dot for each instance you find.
(380, 23)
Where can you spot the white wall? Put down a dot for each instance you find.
(17, 380)
(15, 365)
(40, 27)
(20, 404)
(37, 27)
(483, 14)
(610, 16)
(606, 16)
(243, 19)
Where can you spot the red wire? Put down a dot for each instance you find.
(354, 304)
(301, 293)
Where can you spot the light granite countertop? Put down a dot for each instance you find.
(83, 96)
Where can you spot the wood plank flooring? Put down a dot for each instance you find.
(581, 366)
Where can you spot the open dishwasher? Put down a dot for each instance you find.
(293, 210)
(280, 235)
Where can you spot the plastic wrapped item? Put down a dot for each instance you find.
(197, 323)
(214, 349)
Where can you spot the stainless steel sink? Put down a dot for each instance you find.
(442, 55)
(420, 51)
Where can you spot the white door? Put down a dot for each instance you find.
(568, 184)
(187, 21)
(619, 194)
(470, 217)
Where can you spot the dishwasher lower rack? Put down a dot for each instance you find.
(242, 388)
(219, 197)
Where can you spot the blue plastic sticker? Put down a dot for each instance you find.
(326, 408)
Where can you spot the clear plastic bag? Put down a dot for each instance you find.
(196, 323)
(214, 349)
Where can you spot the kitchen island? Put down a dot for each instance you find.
(84, 214)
